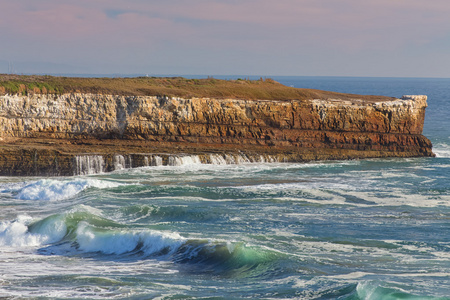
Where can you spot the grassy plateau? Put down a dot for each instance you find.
(262, 89)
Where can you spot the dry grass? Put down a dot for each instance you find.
(267, 89)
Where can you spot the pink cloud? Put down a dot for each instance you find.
(139, 29)
(66, 21)
(312, 20)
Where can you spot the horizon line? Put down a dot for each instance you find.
(198, 76)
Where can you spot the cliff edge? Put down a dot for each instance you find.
(83, 133)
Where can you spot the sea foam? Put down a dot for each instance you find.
(50, 189)
(17, 234)
(118, 242)
(442, 150)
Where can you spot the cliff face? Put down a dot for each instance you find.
(51, 131)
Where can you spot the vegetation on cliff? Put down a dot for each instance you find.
(59, 125)
(264, 89)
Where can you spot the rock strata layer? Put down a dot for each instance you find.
(74, 134)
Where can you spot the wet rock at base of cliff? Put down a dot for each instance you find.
(44, 134)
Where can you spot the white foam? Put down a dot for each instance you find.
(119, 162)
(89, 164)
(95, 164)
(367, 290)
(230, 159)
(184, 160)
(86, 209)
(217, 159)
(122, 241)
(397, 197)
(51, 189)
(294, 187)
(16, 234)
(352, 275)
(242, 159)
(442, 150)
(47, 189)
(156, 241)
(420, 248)
(374, 290)
(157, 160)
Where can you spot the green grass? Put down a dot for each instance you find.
(264, 89)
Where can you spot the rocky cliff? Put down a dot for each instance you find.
(76, 133)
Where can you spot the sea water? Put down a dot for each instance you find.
(358, 229)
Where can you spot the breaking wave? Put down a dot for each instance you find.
(52, 189)
(442, 150)
(374, 290)
(83, 232)
(16, 233)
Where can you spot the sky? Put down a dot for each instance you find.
(374, 38)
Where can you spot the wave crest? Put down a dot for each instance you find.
(52, 189)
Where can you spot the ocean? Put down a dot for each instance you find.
(357, 229)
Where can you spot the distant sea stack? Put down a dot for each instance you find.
(49, 128)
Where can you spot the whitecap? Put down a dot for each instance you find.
(371, 290)
(119, 242)
(442, 150)
(51, 189)
(16, 233)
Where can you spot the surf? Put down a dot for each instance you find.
(82, 232)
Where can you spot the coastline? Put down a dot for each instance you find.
(58, 134)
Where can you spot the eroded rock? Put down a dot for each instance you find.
(43, 134)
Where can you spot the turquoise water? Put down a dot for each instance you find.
(360, 229)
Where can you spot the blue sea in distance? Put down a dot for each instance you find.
(358, 229)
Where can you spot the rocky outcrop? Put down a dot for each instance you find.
(47, 134)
